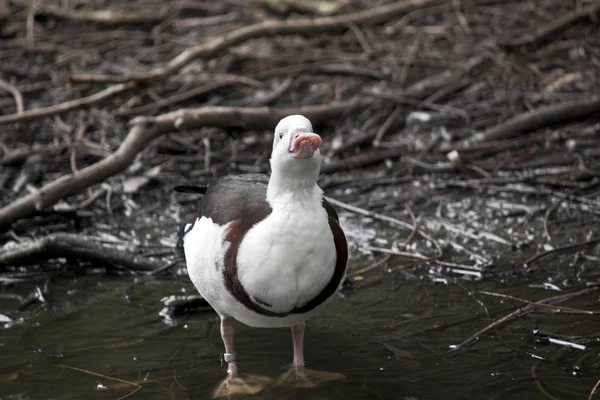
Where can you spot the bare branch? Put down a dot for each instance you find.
(66, 106)
(290, 27)
(527, 309)
(65, 244)
(145, 129)
(110, 17)
(554, 26)
(536, 119)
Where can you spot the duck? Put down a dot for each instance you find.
(268, 251)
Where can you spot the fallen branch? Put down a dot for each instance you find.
(270, 28)
(71, 245)
(66, 106)
(18, 156)
(145, 129)
(412, 95)
(526, 309)
(417, 91)
(555, 26)
(536, 119)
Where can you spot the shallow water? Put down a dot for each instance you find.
(391, 339)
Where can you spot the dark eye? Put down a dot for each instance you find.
(280, 135)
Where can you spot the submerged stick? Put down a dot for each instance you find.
(541, 305)
(560, 249)
(370, 266)
(423, 257)
(524, 310)
(594, 389)
(135, 385)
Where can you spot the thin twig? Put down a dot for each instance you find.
(513, 314)
(411, 55)
(175, 99)
(273, 95)
(30, 23)
(554, 26)
(16, 94)
(137, 386)
(384, 218)
(460, 16)
(31, 115)
(362, 160)
(594, 390)
(370, 266)
(145, 129)
(536, 257)
(386, 126)
(536, 119)
(410, 237)
(541, 305)
(110, 17)
(527, 309)
(423, 257)
(362, 39)
(538, 382)
(73, 157)
(289, 27)
(401, 99)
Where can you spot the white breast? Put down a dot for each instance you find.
(204, 251)
(287, 259)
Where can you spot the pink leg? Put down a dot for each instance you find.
(297, 375)
(228, 336)
(235, 383)
(298, 338)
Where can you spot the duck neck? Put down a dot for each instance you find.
(285, 193)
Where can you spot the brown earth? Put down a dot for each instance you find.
(460, 117)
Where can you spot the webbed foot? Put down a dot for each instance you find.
(306, 378)
(241, 384)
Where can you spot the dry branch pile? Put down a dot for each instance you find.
(422, 102)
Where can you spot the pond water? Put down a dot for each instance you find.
(391, 336)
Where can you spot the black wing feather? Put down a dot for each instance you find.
(233, 197)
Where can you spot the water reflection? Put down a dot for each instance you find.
(104, 339)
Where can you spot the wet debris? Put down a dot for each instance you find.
(176, 305)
